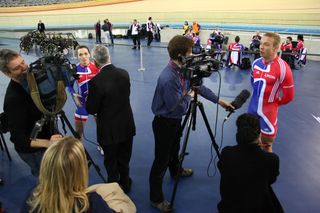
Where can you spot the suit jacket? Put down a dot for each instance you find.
(109, 98)
(247, 173)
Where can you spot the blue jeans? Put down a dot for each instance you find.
(33, 160)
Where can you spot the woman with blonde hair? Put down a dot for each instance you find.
(63, 182)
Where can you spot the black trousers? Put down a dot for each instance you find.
(116, 161)
(150, 37)
(167, 133)
(111, 36)
(98, 37)
(136, 39)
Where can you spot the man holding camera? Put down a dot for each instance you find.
(109, 98)
(169, 110)
(22, 113)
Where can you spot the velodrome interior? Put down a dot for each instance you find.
(298, 184)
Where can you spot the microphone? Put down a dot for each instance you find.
(238, 102)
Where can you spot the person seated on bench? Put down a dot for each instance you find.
(300, 44)
(235, 52)
(286, 48)
(256, 37)
(301, 51)
(197, 47)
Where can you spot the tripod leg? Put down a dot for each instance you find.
(213, 141)
(1, 146)
(188, 121)
(185, 119)
(76, 135)
(5, 146)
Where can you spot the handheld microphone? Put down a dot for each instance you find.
(238, 102)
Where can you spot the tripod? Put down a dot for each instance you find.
(76, 135)
(54, 129)
(190, 120)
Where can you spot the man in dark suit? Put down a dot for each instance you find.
(109, 99)
(41, 27)
(247, 172)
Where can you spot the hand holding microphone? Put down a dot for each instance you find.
(238, 102)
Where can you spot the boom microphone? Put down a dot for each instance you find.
(238, 102)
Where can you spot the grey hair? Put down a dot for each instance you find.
(6, 55)
(101, 55)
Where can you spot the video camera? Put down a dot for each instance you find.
(200, 66)
(47, 71)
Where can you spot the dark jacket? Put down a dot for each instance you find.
(22, 115)
(41, 27)
(109, 97)
(247, 173)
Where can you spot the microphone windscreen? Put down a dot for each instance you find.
(240, 99)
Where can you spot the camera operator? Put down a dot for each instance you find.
(109, 98)
(22, 113)
(171, 86)
(247, 172)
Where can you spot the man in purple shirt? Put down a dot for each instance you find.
(166, 125)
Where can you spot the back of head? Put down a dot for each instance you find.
(237, 39)
(179, 46)
(101, 55)
(6, 55)
(300, 37)
(63, 179)
(248, 129)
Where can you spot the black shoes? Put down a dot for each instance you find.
(163, 206)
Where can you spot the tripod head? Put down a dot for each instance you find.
(51, 120)
(193, 106)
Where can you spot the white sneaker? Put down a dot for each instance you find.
(100, 150)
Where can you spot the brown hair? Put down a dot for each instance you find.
(6, 55)
(276, 38)
(179, 46)
(82, 47)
